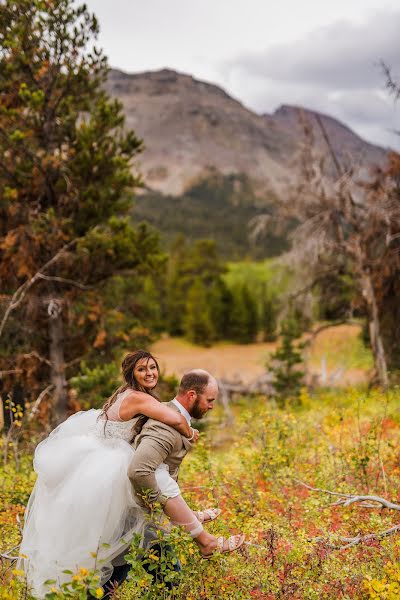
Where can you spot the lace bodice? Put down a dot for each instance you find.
(113, 427)
(116, 429)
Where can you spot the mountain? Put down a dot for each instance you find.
(192, 128)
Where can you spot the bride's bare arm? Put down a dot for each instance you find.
(139, 403)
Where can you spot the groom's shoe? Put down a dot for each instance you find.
(117, 578)
(162, 549)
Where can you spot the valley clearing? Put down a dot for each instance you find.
(336, 351)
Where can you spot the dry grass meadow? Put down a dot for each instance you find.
(336, 350)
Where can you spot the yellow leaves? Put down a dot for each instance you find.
(17, 572)
(387, 588)
(10, 194)
(154, 557)
(94, 312)
(43, 69)
(17, 135)
(100, 339)
(23, 270)
(10, 240)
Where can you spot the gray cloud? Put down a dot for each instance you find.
(341, 54)
(335, 69)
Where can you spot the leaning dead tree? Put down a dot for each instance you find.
(349, 223)
(355, 219)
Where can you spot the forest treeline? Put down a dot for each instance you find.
(218, 207)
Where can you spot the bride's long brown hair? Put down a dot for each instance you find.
(128, 367)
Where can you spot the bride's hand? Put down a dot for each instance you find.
(195, 434)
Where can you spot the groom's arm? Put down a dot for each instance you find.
(156, 442)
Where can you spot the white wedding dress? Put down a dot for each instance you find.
(82, 511)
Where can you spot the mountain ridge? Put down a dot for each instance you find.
(191, 127)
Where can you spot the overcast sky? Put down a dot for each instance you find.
(317, 54)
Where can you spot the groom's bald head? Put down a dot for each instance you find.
(197, 391)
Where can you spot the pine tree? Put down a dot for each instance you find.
(197, 321)
(252, 319)
(268, 317)
(244, 316)
(65, 178)
(220, 301)
(285, 365)
(187, 265)
(176, 286)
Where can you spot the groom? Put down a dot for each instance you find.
(159, 443)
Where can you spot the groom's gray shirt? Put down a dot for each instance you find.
(156, 443)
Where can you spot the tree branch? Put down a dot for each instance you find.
(38, 401)
(64, 280)
(35, 354)
(10, 371)
(315, 332)
(326, 137)
(21, 292)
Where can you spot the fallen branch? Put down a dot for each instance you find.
(366, 501)
(347, 499)
(358, 539)
(7, 554)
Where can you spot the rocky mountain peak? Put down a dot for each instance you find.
(191, 126)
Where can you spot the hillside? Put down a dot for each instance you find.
(190, 126)
(217, 207)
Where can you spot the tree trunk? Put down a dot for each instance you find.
(58, 378)
(378, 350)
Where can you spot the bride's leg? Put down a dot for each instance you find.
(180, 514)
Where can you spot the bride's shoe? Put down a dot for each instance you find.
(209, 514)
(229, 544)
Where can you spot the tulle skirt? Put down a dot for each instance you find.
(82, 511)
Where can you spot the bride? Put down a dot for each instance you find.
(82, 512)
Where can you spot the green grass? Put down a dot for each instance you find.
(268, 277)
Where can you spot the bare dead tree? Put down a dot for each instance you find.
(352, 220)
